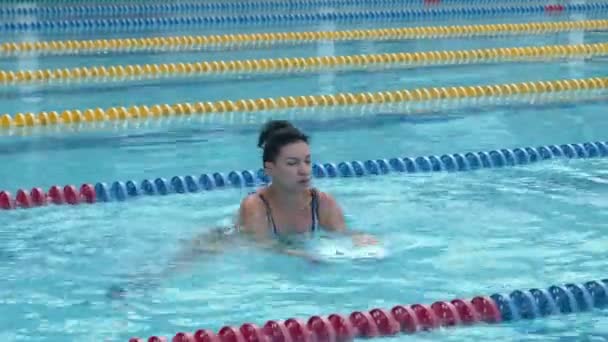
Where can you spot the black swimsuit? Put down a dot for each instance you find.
(314, 205)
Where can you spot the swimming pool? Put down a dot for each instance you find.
(516, 222)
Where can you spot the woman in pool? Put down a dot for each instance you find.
(286, 208)
(289, 205)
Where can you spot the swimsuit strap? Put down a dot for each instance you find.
(269, 213)
(314, 206)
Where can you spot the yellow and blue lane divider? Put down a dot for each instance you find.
(456, 162)
(122, 73)
(131, 24)
(193, 43)
(144, 112)
(534, 303)
(411, 111)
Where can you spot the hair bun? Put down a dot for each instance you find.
(270, 128)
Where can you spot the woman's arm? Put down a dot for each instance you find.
(331, 217)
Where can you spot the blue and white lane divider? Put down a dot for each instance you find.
(457, 162)
(301, 18)
(537, 303)
(126, 9)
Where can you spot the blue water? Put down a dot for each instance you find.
(445, 235)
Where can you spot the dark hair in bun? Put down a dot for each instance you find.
(275, 134)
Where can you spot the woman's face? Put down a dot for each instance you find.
(292, 167)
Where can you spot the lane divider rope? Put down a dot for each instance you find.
(529, 304)
(408, 111)
(223, 5)
(193, 7)
(290, 19)
(457, 162)
(122, 73)
(193, 43)
(290, 102)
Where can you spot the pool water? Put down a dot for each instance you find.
(443, 235)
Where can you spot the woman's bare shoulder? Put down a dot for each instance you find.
(326, 199)
(253, 200)
(252, 206)
(252, 214)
